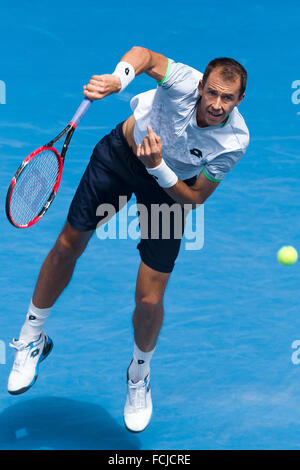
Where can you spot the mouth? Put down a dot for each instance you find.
(214, 116)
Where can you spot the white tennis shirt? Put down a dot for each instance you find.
(187, 148)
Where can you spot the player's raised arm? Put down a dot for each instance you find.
(145, 61)
(136, 61)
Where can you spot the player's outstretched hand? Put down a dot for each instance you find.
(150, 150)
(100, 86)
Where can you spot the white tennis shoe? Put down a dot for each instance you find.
(26, 363)
(138, 407)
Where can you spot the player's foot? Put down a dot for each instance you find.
(26, 364)
(138, 407)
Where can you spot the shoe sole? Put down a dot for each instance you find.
(136, 432)
(47, 350)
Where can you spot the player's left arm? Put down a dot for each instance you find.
(196, 194)
(150, 153)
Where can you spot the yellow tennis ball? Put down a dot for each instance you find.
(287, 255)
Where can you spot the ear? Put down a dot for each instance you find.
(200, 87)
(240, 99)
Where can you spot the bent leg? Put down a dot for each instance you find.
(148, 314)
(59, 265)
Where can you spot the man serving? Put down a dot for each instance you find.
(182, 139)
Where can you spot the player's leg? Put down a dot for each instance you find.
(158, 257)
(99, 184)
(54, 276)
(33, 345)
(162, 225)
(59, 265)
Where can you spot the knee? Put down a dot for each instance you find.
(148, 302)
(67, 249)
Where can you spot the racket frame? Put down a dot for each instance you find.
(69, 130)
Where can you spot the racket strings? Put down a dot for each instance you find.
(34, 187)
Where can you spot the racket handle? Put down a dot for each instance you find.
(82, 109)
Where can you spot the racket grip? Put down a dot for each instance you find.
(82, 109)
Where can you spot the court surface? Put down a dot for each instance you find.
(224, 375)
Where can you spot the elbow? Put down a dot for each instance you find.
(201, 199)
(140, 50)
(197, 199)
(193, 203)
(197, 203)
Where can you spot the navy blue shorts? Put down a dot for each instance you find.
(114, 171)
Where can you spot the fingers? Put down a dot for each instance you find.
(150, 150)
(140, 151)
(151, 143)
(93, 92)
(100, 86)
(148, 146)
(152, 136)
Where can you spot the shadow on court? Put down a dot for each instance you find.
(60, 423)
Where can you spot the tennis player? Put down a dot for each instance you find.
(182, 139)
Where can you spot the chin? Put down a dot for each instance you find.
(216, 122)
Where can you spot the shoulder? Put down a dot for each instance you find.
(237, 126)
(181, 77)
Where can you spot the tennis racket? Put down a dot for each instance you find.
(36, 181)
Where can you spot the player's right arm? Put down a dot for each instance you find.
(142, 60)
(146, 61)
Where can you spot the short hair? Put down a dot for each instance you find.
(230, 69)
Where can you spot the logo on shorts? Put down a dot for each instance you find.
(196, 152)
(127, 70)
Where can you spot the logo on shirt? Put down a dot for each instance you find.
(196, 152)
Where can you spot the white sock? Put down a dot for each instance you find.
(140, 365)
(34, 322)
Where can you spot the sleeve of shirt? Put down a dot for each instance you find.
(180, 79)
(217, 169)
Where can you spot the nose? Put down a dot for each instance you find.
(217, 104)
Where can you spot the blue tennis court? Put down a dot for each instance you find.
(225, 373)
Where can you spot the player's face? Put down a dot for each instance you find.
(218, 98)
